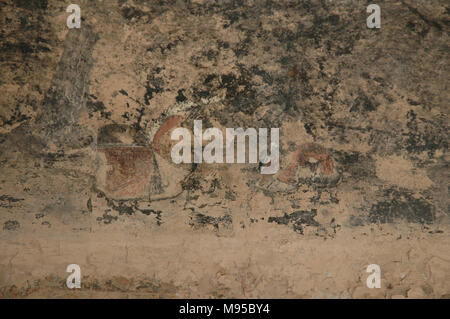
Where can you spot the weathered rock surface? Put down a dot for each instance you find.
(86, 175)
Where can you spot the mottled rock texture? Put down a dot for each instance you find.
(86, 175)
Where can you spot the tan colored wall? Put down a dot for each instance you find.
(86, 175)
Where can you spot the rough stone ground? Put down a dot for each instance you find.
(85, 169)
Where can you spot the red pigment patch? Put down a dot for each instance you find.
(131, 170)
(301, 158)
(168, 124)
